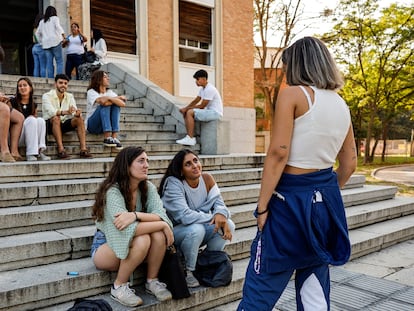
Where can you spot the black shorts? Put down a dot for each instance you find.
(65, 126)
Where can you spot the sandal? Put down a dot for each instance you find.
(7, 157)
(63, 155)
(17, 157)
(85, 154)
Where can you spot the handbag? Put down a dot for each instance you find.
(172, 273)
(90, 57)
(214, 268)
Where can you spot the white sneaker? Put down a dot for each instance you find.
(117, 143)
(44, 157)
(159, 290)
(126, 296)
(187, 140)
(191, 280)
(31, 158)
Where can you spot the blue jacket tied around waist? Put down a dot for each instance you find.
(306, 225)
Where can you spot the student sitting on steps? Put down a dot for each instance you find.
(62, 115)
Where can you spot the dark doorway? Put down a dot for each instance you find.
(16, 26)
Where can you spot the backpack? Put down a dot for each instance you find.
(82, 304)
(214, 268)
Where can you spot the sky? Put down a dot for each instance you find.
(314, 8)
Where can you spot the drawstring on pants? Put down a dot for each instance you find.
(257, 261)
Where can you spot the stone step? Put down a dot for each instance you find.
(72, 243)
(99, 167)
(34, 218)
(61, 190)
(55, 191)
(47, 285)
(369, 239)
(56, 245)
(367, 214)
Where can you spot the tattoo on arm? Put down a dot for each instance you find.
(283, 147)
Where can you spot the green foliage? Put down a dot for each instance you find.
(375, 50)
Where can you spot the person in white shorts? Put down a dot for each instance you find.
(209, 109)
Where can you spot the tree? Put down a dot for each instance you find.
(375, 50)
(277, 19)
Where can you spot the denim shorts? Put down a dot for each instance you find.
(206, 115)
(98, 240)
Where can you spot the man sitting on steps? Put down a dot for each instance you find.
(62, 115)
(210, 108)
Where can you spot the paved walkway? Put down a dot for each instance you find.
(402, 174)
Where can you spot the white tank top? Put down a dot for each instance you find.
(319, 134)
(196, 196)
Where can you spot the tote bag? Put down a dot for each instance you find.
(172, 273)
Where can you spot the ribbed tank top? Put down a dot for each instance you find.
(319, 133)
(197, 196)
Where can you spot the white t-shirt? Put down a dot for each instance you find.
(75, 45)
(91, 97)
(210, 93)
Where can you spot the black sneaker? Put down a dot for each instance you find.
(109, 142)
(118, 145)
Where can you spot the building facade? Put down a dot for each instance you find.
(167, 41)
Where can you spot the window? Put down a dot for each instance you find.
(195, 33)
(116, 20)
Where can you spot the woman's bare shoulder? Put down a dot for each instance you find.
(208, 180)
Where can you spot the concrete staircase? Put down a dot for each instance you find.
(46, 230)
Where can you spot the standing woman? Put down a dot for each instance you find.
(300, 214)
(103, 109)
(132, 227)
(98, 47)
(194, 203)
(50, 35)
(74, 44)
(39, 55)
(33, 135)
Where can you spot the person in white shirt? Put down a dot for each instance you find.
(62, 115)
(210, 108)
(103, 109)
(50, 35)
(98, 52)
(75, 49)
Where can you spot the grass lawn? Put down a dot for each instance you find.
(367, 169)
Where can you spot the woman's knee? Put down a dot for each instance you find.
(141, 243)
(104, 258)
(16, 117)
(158, 240)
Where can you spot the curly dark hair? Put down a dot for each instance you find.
(120, 174)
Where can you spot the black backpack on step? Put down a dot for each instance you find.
(82, 304)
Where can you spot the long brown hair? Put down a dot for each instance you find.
(17, 100)
(96, 80)
(120, 175)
